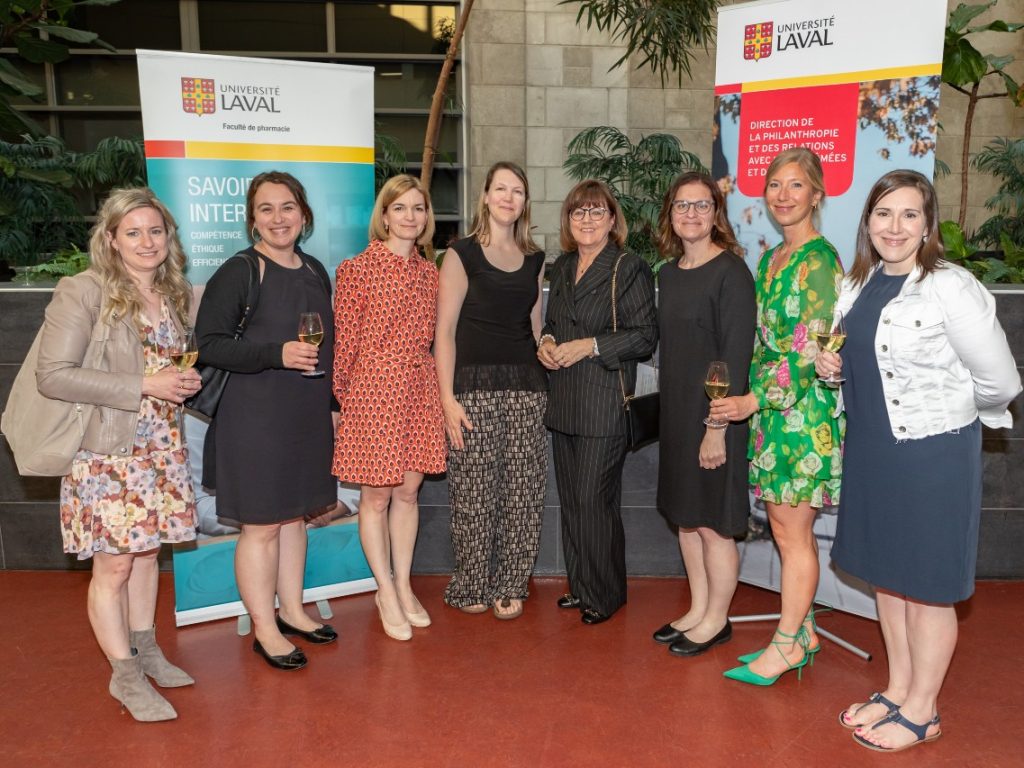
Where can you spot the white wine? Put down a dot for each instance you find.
(312, 338)
(184, 360)
(832, 342)
(716, 389)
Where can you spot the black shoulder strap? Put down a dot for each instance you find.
(317, 268)
(252, 294)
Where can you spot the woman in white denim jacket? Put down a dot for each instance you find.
(926, 363)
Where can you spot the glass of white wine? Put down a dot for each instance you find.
(311, 331)
(184, 352)
(831, 336)
(716, 385)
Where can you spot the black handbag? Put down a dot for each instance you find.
(206, 400)
(643, 413)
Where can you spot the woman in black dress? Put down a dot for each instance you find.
(494, 391)
(273, 433)
(706, 312)
(926, 363)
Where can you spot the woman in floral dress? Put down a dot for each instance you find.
(129, 489)
(795, 442)
(391, 426)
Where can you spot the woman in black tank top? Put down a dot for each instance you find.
(494, 392)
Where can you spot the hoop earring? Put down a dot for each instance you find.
(254, 235)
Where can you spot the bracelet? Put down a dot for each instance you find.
(544, 338)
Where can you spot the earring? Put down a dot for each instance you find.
(305, 231)
(387, 227)
(254, 235)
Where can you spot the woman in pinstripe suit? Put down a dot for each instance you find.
(584, 412)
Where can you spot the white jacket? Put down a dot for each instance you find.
(942, 354)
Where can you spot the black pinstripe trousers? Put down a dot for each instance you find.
(588, 471)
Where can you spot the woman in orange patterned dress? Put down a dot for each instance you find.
(391, 427)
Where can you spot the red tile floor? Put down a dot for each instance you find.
(471, 691)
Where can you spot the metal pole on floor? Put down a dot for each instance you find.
(824, 633)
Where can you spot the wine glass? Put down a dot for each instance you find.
(184, 352)
(716, 384)
(311, 331)
(831, 336)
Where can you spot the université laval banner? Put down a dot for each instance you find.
(856, 82)
(211, 123)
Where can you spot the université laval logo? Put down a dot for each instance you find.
(757, 40)
(197, 96)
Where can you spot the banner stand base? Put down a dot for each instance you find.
(823, 633)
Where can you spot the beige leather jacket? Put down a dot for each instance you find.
(72, 334)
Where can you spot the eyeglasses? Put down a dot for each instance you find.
(596, 214)
(682, 206)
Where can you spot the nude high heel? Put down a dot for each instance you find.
(401, 631)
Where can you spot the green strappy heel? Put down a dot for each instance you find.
(744, 675)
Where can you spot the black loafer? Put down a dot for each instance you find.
(686, 647)
(323, 634)
(294, 660)
(568, 601)
(590, 616)
(667, 634)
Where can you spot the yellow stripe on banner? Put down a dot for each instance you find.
(893, 73)
(222, 150)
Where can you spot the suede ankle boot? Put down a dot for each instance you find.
(154, 663)
(129, 686)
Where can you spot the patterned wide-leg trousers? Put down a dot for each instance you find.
(496, 488)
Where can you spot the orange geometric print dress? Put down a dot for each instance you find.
(384, 375)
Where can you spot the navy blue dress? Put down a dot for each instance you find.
(909, 511)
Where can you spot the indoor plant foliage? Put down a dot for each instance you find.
(1004, 159)
(965, 68)
(41, 183)
(638, 174)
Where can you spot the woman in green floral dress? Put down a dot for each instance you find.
(795, 442)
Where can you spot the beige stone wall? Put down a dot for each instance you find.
(535, 79)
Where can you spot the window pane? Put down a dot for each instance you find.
(393, 27)
(234, 26)
(85, 132)
(411, 85)
(410, 130)
(32, 72)
(133, 23)
(444, 191)
(102, 81)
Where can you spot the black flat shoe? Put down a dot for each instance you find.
(323, 634)
(590, 616)
(686, 647)
(667, 634)
(294, 660)
(568, 601)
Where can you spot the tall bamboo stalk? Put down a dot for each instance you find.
(433, 134)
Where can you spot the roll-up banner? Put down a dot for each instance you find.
(858, 83)
(210, 124)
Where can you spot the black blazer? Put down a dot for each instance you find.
(586, 398)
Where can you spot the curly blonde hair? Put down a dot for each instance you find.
(121, 294)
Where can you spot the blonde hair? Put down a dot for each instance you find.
(482, 220)
(120, 291)
(809, 163)
(393, 189)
